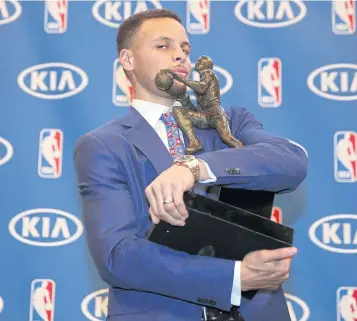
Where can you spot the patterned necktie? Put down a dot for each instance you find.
(176, 148)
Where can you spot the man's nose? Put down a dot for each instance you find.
(179, 55)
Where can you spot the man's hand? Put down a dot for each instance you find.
(170, 186)
(266, 269)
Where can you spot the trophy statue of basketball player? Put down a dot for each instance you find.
(208, 113)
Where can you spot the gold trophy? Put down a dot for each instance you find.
(208, 113)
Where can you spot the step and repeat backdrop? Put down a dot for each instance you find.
(292, 63)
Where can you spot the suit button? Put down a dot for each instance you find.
(206, 301)
(233, 171)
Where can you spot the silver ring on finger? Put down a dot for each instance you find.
(167, 201)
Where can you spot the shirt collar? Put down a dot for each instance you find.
(151, 112)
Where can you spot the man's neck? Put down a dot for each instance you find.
(156, 100)
(149, 97)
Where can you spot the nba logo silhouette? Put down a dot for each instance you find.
(269, 82)
(276, 214)
(56, 16)
(345, 156)
(42, 302)
(122, 88)
(346, 303)
(343, 17)
(50, 153)
(198, 16)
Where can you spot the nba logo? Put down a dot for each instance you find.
(276, 214)
(346, 303)
(56, 15)
(50, 153)
(122, 88)
(343, 17)
(345, 156)
(42, 302)
(198, 16)
(269, 82)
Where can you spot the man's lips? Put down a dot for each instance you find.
(180, 71)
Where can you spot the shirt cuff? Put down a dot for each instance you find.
(212, 177)
(236, 289)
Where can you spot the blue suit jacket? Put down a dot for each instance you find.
(114, 165)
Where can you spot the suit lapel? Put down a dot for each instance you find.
(144, 137)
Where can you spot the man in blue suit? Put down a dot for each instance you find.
(128, 180)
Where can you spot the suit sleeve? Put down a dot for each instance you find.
(112, 218)
(266, 162)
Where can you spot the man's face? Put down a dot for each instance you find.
(161, 44)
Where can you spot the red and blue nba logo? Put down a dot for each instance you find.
(198, 16)
(56, 16)
(277, 215)
(42, 302)
(50, 153)
(345, 156)
(123, 93)
(269, 82)
(346, 303)
(343, 17)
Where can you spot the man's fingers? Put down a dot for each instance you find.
(168, 211)
(179, 203)
(278, 254)
(151, 199)
(170, 206)
(159, 200)
(274, 287)
(171, 220)
(169, 217)
(154, 218)
(172, 211)
(286, 276)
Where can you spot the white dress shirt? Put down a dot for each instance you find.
(152, 112)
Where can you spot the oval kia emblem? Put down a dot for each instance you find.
(95, 305)
(55, 80)
(6, 151)
(112, 13)
(45, 227)
(335, 233)
(10, 10)
(298, 309)
(270, 14)
(336, 82)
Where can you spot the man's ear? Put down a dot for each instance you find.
(126, 59)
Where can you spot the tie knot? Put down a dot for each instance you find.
(168, 118)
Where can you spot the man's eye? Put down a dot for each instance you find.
(187, 52)
(162, 46)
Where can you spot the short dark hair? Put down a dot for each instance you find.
(130, 26)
